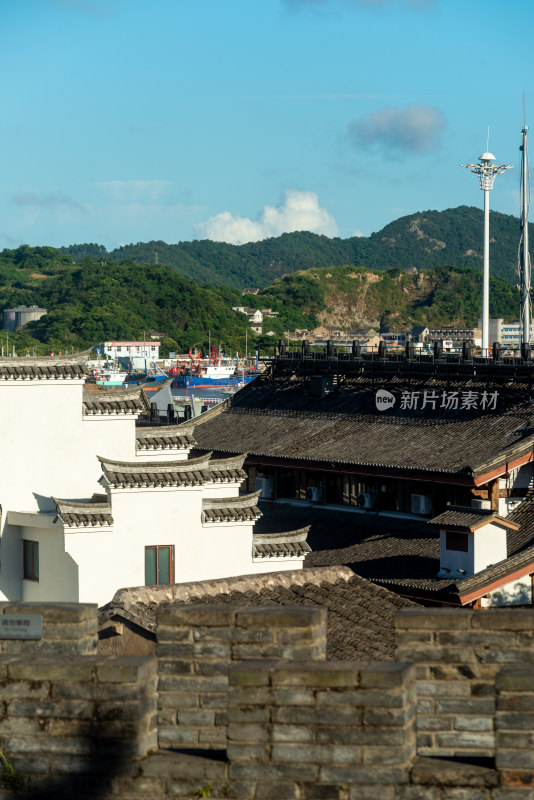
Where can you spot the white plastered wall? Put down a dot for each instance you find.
(514, 593)
(486, 546)
(50, 448)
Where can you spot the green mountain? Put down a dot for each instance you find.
(423, 240)
(94, 300)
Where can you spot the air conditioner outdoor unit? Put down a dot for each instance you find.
(314, 494)
(366, 500)
(421, 504)
(265, 485)
(486, 504)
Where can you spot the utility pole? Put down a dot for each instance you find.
(486, 172)
(524, 266)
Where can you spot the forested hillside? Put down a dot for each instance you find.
(94, 300)
(422, 240)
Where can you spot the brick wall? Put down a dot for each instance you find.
(308, 729)
(196, 645)
(68, 628)
(76, 716)
(457, 653)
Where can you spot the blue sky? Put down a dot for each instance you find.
(131, 120)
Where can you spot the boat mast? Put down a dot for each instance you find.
(524, 254)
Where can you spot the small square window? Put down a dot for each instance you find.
(457, 541)
(30, 551)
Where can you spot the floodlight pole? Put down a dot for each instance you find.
(486, 172)
(525, 257)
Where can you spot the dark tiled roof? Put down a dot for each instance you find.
(227, 470)
(167, 437)
(459, 518)
(276, 545)
(187, 472)
(400, 553)
(190, 472)
(115, 401)
(37, 368)
(360, 615)
(84, 514)
(282, 419)
(231, 509)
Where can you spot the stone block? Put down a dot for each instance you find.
(167, 652)
(386, 675)
(443, 688)
(473, 705)
(199, 683)
(196, 615)
(430, 723)
(239, 714)
(515, 679)
(512, 655)
(239, 752)
(514, 759)
(285, 791)
(473, 723)
(298, 734)
(475, 639)
(522, 721)
(275, 772)
(195, 717)
(507, 619)
(355, 774)
(389, 756)
(254, 673)
(77, 668)
(465, 740)
(213, 700)
(55, 612)
(292, 697)
(247, 732)
(437, 772)
(176, 736)
(126, 669)
(417, 793)
(434, 619)
(283, 617)
(386, 717)
(316, 675)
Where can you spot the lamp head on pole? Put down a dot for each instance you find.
(486, 171)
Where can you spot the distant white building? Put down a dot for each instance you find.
(507, 333)
(135, 353)
(255, 316)
(90, 503)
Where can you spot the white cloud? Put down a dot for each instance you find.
(128, 191)
(414, 129)
(297, 211)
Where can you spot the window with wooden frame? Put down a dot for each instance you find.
(159, 565)
(30, 560)
(457, 541)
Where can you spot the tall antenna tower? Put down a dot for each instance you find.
(524, 256)
(486, 172)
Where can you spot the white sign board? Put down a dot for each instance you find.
(21, 626)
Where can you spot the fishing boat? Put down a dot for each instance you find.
(213, 373)
(101, 373)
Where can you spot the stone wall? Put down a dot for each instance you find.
(68, 628)
(309, 728)
(458, 653)
(81, 716)
(291, 726)
(196, 645)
